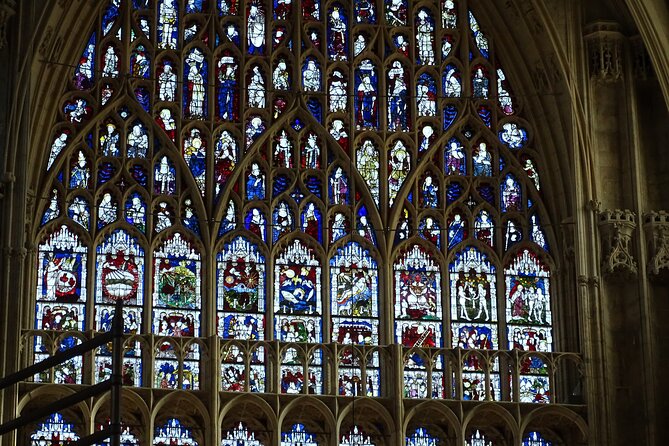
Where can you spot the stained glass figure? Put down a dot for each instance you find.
(338, 187)
(356, 437)
(282, 9)
(484, 228)
(310, 154)
(61, 282)
(85, 71)
(311, 75)
(354, 290)
(365, 11)
(311, 222)
(457, 229)
(167, 123)
(227, 93)
(140, 65)
(454, 158)
(340, 226)
(452, 84)
(283, 151)
(54, 431)
(479, 37)
(164, 216)
(399, 164)
(195, 91)
(364, 226)
(446, 45)
(482, 160)
(359, 44)
(107, 210)
(189, 218)
(232, 34)
(254, 128)
(473, 290)
(339, 134)
(314, 38)
(280, 76)
(367, 157)
(138, 141)
(168, 24)
(511, 194)
(480, 82)
(110, 62)
(402, 44)
(534, 389)
(225, 159)
(77, 110)
(424, 37)
(427, 138)
(337, 33)
(531, 171)
(398, 107)
(255, 28)
(173, 433)
(229, 221)
(165, 177)
(311, 10)
(194, 153)
(449, 13)
(135, 211)
(53, 211)
(478, 438)
(503, 96)
(297, 294)
(396, 12)
(255, 223)
(240, 436)
(512, 136)
(420, 437)
(240, 288)
(430, 230)
(426, 95)
(429, 192)
(227, 7)
(283, 221)
(535, 439)
(167, 82)
(176, 288)
(79, 211)
(109, 141)
(256, 88)
(255, 183)
(417, 289)
(404, 227)
(297, 436)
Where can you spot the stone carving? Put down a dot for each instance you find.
(604, 43)
(616, 227)
(656, 225)
(7, 9)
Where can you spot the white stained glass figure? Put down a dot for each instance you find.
(511, 195)
(145, 27)
(78, 211)
(55, 432)
(165, 176)
(537, 233)
(452, 87)
(256, 89)
(196, 84)
(240, 436)
(473, 287)
(399, 164)
(312, 152)
(163, 217)
(338, 87)
(107, 210)
(166, 121)
(138, 142)
(110, 63)
(505, 101)
(280, 77)
(255, 184)
(339, 187)
(511, 235)
(311, 76)
(426, 101)
(513, 136)
(167, 22)
(483, 228)
(446, 47)
(430, 192)
(109, 141)
(136, 212)
(167, 84)
(427, 133)
(359, 44)
(230, 220)
(425, 37)
(397, 98)
(532, 173)
(58, 145)
(338, 228)
(255, 34)
(478, 439)
(449, 15)
(283, 151)
(226, 159)
(482, 161)
(481, 83)
(53, 210)
(368, 166)
(356, 437)
(298, 436)
(479, 37)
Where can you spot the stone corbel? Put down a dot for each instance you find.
(604, 44)
(656, 226)
(7, 9)
(616, 227)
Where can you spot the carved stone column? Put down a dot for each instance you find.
(656, 226)
(604, 43)
(7, 9)
(616, 227)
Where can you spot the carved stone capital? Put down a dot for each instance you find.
(616, 227)
(7, 9)
(604, 44)
(656, 225)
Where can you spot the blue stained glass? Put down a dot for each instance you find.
(486, 115)
(173, 432)
(138, 173)
(337, 33)
(536, 439)
(283, 221)
(451, 82)
(421, 438)
(135, 211)
(53, 211)
(227, 95)
(513, 136)
(453, 192)
(143, 98)
(140, 64)
(79, 211)
(298, 436)
(338, 187)
(255, 223)
(482, 160)
(455, 160)
(255, 183)
(402, 44)
(254, 128)
(315, 108)
(457, 229)
(426, 95)
(229, 220)
(364, 226)
(280, 184)
(55, 431)
(429, 230)
(195, 85)
(450, 113)
(365, 11)
(511, 194)
(140, 4)
(480, 82)
(89, 140)
(398, 113)
(193, 6)
(255, 25)
(297, 195)
(366, 102)
(502, 163)
(479, 37)
(110, 15)
(396, 12)
(106, 171)
(189, 219)
(312, 222)
(168, 24)
(487, 192)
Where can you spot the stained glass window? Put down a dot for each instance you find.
(239, 436)
(54, 431)
(535, 439)
(420, 437)
(356, 436)
(298, 435)
(173, 433)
